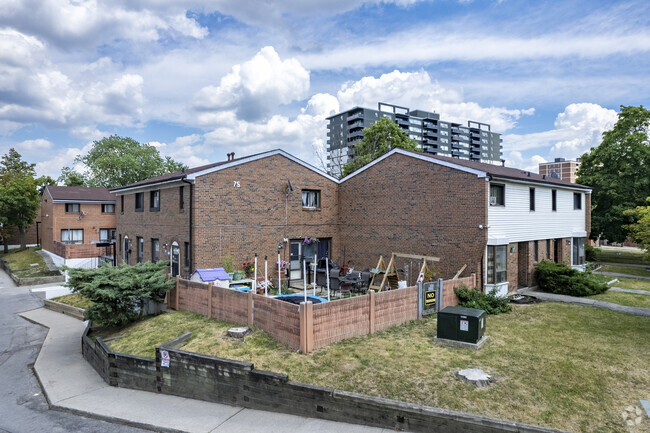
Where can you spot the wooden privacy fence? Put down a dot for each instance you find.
(307, 326)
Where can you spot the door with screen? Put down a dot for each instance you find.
(295, 260)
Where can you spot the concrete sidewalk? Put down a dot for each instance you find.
(71, 384)
(544, 296)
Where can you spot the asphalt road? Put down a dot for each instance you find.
(23, 408)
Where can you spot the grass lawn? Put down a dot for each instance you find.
(622, 298)
(621, 255)
(21, 263)
(74, 299)
(622, 269)
(624, 283)
(564, 366)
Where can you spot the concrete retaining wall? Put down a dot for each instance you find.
(31, 281)
(77, 313)
(238, 383)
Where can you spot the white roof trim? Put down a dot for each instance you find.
(84, 201)
(541, 183)
(258, 157)
(422, 157)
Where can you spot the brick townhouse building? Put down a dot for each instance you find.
(496, 220)
(74, 220)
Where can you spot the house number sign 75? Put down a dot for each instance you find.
(236, 184)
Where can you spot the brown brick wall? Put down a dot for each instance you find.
(169, 224)
(449, 298)
(411, 206)
(256, 216)
(54, 219)
(513, 266)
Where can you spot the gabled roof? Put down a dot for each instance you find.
(212, 274)
(192, 173)
(79, 194)
(481, 169)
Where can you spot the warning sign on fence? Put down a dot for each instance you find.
(430, 297)
(164, 358)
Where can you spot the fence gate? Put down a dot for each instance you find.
(430, 297)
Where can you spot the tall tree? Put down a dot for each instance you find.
(19, 198)
(375, 143)
(70, 177)
(640, 230)
(42, 182)
(116, 161)
(618, 170)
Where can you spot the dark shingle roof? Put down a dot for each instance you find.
(80, 193)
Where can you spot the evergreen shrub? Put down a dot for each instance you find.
(490, 302)
(562, 280)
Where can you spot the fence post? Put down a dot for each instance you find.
(440, 294)
(178, 290)
(420, 297)
(250, 308)
(372, 299)
(306, 327)
(473, 280)
(210, 287)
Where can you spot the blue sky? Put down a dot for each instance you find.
(200, 79)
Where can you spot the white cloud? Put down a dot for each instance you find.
(417, 90)
(516, 159)
(256, 87)
(34, 146)
(579, 127)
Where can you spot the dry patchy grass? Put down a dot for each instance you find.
(562, 366)
(20, 262)
(74, 299)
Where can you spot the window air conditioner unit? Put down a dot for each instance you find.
(493, 201)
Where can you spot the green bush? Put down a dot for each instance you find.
(490, 302)
(118, 294)
(562, 280)
(592, 254)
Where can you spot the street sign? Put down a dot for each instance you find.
(164, 358)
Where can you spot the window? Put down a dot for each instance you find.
(122, 204)
(535, 251)
(154, 201)
(72, 207)
(176, 260)
(155, 250)
(548, 249)
(577, 201)
(181, 198)
(187, 254)
(139, 201)
(497, 194)
(74, 236)
(578, 251)
(497, 264)
(107, 235)
(108, 208)
(140, 242)
(311, 199)
(554, 200)
(531, 194)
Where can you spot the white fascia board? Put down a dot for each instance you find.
(579, 234)
(422, 157)
(541, 183)
(257, 158)
(147, 187)
(498, 240)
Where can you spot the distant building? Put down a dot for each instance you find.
(474, 142)
(560, 169)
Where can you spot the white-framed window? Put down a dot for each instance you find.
(497, 194)
(155, 250)
(311, 199)
(497, 264)
(108, 208)
(578, 251)
(72, 236)
(176, 259)
(154, 201)
(140, 242)
(72, 207)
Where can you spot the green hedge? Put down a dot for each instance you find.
(562, 280)
(489, 302)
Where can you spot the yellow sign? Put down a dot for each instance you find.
(430, 298)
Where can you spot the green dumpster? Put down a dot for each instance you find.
(461, 324)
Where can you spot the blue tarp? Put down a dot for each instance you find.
(212, 274)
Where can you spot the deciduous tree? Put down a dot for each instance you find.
(640, 230)
(375, 143)
(618, 170)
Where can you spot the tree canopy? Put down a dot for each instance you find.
(375, 144)
(70, 177)
(116, 161)
(19, 198)
(618, 170)
(640, 230)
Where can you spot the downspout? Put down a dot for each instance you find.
(184, 179)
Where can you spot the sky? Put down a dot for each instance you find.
(199, 79)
